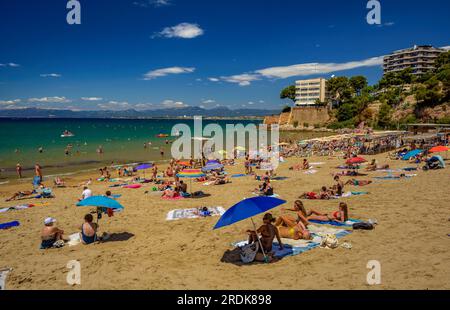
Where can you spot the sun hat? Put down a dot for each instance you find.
(49, 220)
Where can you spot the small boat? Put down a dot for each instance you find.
(162, 136)
(67, 134)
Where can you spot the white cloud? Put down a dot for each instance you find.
(166, 71)
(9, 102)
(50, 100)
(114, 105)
(446, 47)
(208, 101)
(251, 103)
(11, 64)
(143, 106)
(241, 79)
(54, 75)
(155, 3)
(317, 68)
(183, 31)
(213, 79)
(91, 98)
(305, 69)
(170, 104)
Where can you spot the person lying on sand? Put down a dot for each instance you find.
(89, 230)
(50, 234)
(356, 182)
(182, 187)
(268, 233)
(373, 166)
(338, 216)
(221, 181)
(170, 193)
(59, 182)
(292, 228)
(21, 195)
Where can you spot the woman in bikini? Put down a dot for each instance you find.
(294, 228)
(356, 182)
(268, 233)
(340, 216)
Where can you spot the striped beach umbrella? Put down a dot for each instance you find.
(191, 174)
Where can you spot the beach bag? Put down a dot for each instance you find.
(47, 193)
(248, 252)
(363, 226)
(330, 241)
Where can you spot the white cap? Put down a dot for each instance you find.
(49, 220)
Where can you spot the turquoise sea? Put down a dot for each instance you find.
(122, 141)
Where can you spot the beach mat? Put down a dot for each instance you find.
(273, 196)
(296, 247)
(349, 223)
(9, 225)
(175, 215)
(238, 175)
(3, 274)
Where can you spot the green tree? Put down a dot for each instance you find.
(358, 83)
(288, 93)
(384, 115)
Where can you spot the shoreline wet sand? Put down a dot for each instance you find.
(147, 252)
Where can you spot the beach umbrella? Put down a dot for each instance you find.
(212, 166)
(411, 154)
(191, 174)
(213, 161)
(439, 149)
(144, 167)
(100, 202)
(185, 163)
(356, 160)
(247, 209)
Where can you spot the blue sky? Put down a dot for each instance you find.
(149, 54)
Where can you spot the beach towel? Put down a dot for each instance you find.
(350, 194)
(296, 247)
(238, 175)
(3, 274)
(273, 196)
(9, 225)
(175, 215)
(349, 223)
(173, 198)
(317, 164)
(311, 171)
(279, 178)
(133, 186)
(74, 239)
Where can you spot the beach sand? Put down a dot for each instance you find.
(147, 252)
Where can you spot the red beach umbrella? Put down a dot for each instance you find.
(356, 160)
(439, 149)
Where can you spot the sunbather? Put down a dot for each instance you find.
(268, 233)
(356, 182)
(373, 166)
(59, 182)
(89, 230)
(292, 228)
(21, 195)
(338, 216)
(50, 234)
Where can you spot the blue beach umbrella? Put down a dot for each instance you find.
(100, 202)
(212, 166)
(411, 154)
(247, 209)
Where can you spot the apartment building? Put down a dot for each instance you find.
(420, 59)
(308, 92)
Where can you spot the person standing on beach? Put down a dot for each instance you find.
(161, 151)
(19, 170)
(38, 172)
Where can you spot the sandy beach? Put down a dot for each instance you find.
(148, 252)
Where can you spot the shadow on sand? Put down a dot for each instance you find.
(119, 237)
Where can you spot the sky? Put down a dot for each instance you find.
(152, 54)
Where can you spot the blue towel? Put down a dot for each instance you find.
(9, 225)
(289, 250)
(238, 175)
(334, 223)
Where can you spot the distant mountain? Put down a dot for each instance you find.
(178, 112)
